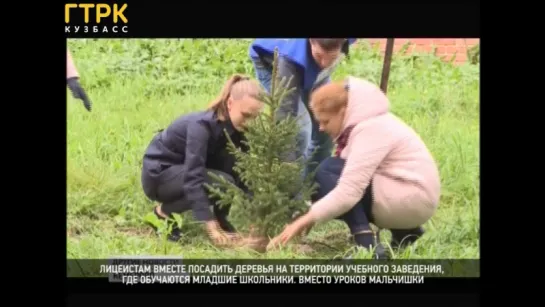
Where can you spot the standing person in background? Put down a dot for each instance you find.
(382, 172)
(310, 63)
(178, 159)
(72, 79)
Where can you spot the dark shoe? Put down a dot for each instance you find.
(349, 257)
(380, 253)
(402, 238)
(370, 239)
(175, 233)
(221, 216)
(226, 226)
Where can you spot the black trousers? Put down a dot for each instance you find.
(359, 217)
(327, 175)
(166, 188)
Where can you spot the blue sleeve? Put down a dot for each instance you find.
(290, 105)
(196, 147)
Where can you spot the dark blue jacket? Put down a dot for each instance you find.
(198, 142)
(297, 50)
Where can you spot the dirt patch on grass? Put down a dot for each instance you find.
(73, 231)
(136, 231)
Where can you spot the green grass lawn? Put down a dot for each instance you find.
(139, 86)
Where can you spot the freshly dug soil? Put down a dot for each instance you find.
(303, 248)
(259, 244)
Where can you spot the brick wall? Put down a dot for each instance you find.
(446, 47)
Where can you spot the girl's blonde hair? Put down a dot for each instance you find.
(236, 86)
(329, 98)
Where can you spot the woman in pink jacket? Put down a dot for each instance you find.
(72, 80)
(382, 172)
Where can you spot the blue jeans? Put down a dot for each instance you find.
(327, 175)
(309, 137)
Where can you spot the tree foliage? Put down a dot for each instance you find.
(274, 187)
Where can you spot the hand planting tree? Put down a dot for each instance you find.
(275, 188)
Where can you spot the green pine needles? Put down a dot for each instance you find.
(276, 187)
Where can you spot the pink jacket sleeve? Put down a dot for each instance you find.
(71, 70)
(371, 143)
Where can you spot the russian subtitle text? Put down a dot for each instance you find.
(165, 272)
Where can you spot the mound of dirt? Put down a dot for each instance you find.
(259, 244)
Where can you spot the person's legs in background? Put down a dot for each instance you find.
(304, 136)
(303, 139)
(322, 143)
(263, 73)
(264, 76)
(319, 141)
